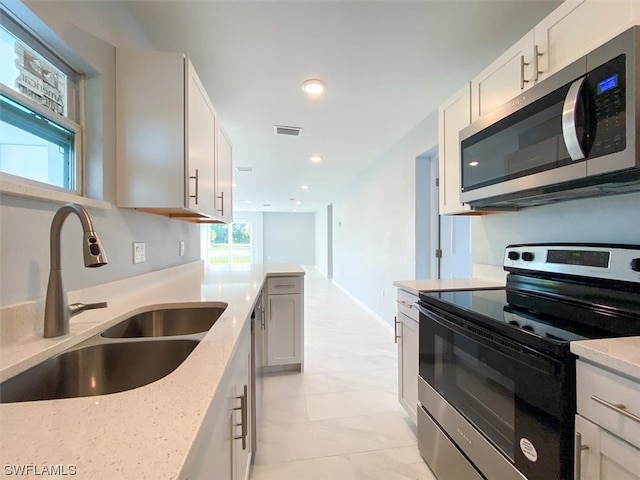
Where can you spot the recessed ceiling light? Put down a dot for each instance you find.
(247, 201)
(298, 202)
(304, 187)
(473, 164)
(234, 185)
(315, 158)
(295, 209)
(313, 86)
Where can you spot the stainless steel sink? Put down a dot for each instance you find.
(97, 370)
(166, 322)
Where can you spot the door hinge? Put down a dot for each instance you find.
(438, 253)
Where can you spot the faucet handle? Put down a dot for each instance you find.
(76, 308)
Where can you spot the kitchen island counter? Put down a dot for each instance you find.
(142, 433)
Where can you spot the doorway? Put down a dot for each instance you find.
(442, 242)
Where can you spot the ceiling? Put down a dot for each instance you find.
(387, 65)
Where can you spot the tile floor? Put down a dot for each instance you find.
(340, 419)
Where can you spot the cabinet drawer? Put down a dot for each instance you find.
(602, 394)
(405, 304)
(284, 285)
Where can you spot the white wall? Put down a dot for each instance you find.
(289, 238)
(602, 220)
(374, 224)
(86, 33)
(321, 262)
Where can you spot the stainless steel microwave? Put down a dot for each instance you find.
(573, 135)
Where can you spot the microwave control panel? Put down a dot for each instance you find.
(607, 88)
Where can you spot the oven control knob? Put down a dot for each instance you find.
(527, 256)
(513, 255)
(528, 328)
(635, 264)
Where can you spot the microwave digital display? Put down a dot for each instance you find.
(608, 84)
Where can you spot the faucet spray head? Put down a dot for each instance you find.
(94, 255)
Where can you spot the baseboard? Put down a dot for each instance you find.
(380, 320)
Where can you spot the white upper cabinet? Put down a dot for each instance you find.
(200, 146)
(167, 134)
(453, 115)
(572, 30)
(506, 77)
(224, 170)
(577, 27)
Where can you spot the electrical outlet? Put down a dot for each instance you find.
(181, 250)
(138, 252)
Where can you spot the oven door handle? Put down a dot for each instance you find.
(525, 355)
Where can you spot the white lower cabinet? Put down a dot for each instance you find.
(407, 322)
(222, 448)
(284, 323)
(607, 425)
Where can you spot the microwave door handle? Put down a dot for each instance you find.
(569, 127)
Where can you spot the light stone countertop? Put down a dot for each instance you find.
(617, 354)
(147, 432)
(441, 285)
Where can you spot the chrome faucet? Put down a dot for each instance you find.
(57, 310)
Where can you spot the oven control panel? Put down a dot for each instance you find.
(614, 262)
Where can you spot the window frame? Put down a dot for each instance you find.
(74, 122)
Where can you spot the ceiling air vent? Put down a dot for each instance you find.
(244, 169)
(282, 130)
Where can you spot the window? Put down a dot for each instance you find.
(230, 244)
(39, 133)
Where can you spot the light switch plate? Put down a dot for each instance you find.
(138, 252)
(181, 248)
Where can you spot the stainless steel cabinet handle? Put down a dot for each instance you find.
(270, 309)
(536, 70)
(522, 65)
(395, 330)
(195, 177)
(221, 209)
(577, 456)
(243, 421)
(284, 286)
(406, 304)
(616, 407)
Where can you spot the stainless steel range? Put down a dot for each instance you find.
(496, 378)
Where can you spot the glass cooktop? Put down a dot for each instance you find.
(491, 308)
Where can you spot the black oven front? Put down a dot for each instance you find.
(511, 403)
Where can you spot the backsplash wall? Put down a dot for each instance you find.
(596, 220)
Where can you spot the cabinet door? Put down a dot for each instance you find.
(588, 441)
(577, 27)
(284, 323)
(224, 176)
(604, 456)
(242, 418)
(408, 364)
(453, 115)
(200, 148)
(507, 77)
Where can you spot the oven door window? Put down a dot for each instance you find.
(513, 398)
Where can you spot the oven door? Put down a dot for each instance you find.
(521, 401)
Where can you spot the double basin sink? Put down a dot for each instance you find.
(135, 352)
